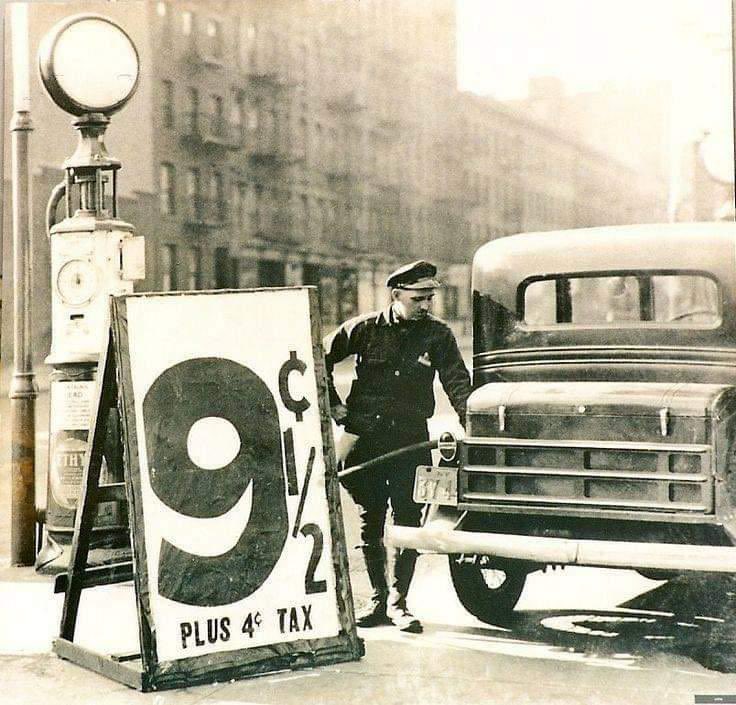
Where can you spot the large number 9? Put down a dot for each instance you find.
(181, 396)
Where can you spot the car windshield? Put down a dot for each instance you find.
(621, 298)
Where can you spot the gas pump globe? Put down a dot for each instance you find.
(89, 67)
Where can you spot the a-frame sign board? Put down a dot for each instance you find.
(238, 549)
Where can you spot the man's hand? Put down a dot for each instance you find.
(339, 413)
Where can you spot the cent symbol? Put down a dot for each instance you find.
(296, 406)
(176, 404)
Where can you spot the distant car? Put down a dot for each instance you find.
(602, 423)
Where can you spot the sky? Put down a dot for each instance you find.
(501, 43)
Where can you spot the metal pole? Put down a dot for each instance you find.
(733, 79)
(23, 390)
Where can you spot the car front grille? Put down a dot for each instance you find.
(618, 476)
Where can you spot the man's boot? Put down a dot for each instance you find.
(374, 615)
(404, 561)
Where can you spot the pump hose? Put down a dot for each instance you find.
(431, 445)
(57, 193)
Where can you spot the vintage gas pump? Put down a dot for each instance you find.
(89, 66)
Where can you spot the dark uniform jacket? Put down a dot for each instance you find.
(396, 362)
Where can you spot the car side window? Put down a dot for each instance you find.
(683, 298)
(539, 303)
(627, 298)
(605, 299)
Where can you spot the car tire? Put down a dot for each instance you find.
(491, 592)
(657, 574)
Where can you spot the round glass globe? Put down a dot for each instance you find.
(716, 151)
(89, 64)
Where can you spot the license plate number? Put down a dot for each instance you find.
(435, 485)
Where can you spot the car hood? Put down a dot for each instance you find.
(596, 398)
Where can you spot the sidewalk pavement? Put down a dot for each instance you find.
(30, 674)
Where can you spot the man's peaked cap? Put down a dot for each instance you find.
(415, 275)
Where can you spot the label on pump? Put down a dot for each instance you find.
(65, 468)
(71, 405)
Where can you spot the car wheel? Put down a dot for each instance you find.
(489, 589)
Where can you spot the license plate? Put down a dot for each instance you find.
(435, 485)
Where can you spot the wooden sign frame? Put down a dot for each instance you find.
(145, 671)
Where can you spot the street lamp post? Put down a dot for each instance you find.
(23, 390)
(733, 80)
(89, 67)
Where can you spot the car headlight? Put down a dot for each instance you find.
(447, 446)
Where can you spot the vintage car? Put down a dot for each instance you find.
(601, 427)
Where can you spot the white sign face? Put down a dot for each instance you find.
(239, 549)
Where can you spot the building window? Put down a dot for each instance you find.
(195, 268)
(252, 119)
(194, 193)
(324, 280)
(236, 111)
(324, 217)
(250, 208)
(236, 203)
(248, 198)
(333, 151)
(226, 269)
(319, 213)
(270, 127)
(168, 103)
(242, 42)
(214, 36)
(217, 194)
(348, 293)
(303, 61)
(451, 298)
(239, 202)
(310, 274)
(331, 217)
(187, 23)
(271, 273)
(302, 137)
(349, 226)
(218, 108)
(304, 214)
(258, 208)
(283, 130)
(328, 297)
(161, 9)
(168, 267)
(318, 144)
(167, 189)
(192, 111)
(266, 209)
(218, 115)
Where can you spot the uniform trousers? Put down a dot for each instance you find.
(391, 481)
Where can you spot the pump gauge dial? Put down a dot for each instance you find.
(77, 282)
